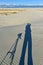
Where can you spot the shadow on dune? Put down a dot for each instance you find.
(12, 51)
(27, 40)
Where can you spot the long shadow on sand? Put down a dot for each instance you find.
(27, 40)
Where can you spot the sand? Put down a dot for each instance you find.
(24, 16)
(11, 24)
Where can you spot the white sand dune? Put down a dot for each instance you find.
(28, 15)
(13, 24)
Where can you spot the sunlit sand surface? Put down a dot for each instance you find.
(12, 24)
(21, 17)
(10, 11)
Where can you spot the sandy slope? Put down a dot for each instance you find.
(8, 34)
(26, 15)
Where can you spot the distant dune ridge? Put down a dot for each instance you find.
(13, 24)
(6, 11)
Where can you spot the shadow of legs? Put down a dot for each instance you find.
(27, 40)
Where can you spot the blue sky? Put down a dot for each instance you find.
(21, 1)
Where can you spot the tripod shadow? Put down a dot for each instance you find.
(12, 51)
(27, 40)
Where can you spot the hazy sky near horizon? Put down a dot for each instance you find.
(21, 1)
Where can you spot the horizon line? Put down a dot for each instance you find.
(20, 4)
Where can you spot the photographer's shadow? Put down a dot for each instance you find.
(27, 40)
